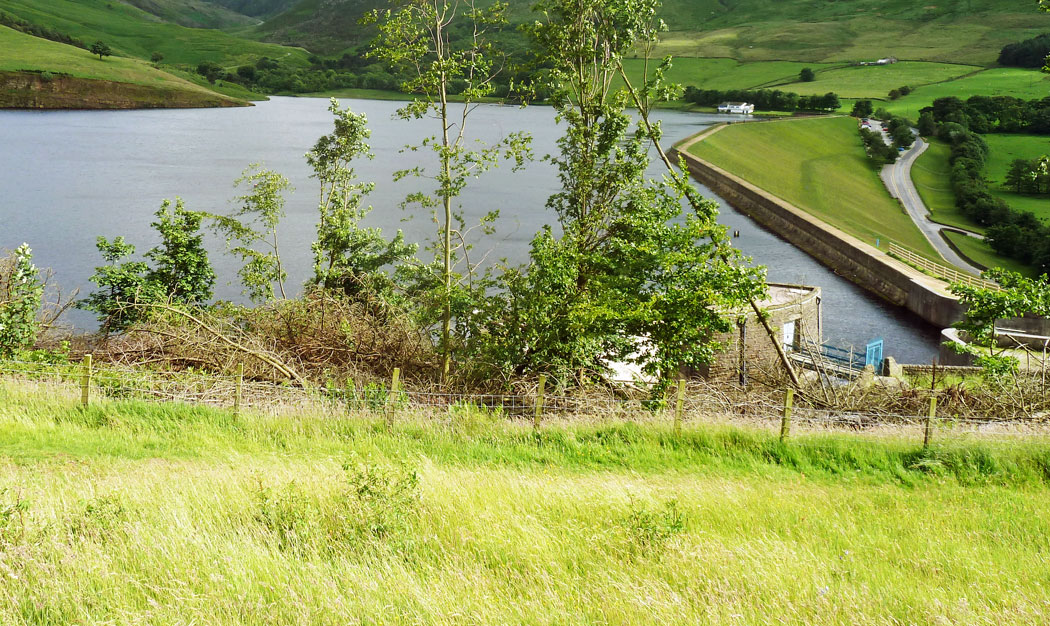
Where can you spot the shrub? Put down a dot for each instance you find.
(21, 295)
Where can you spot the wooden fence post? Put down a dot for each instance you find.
(391, 398)
(238, 389)
(85, 381)
(785, 421)
(538, 411)
(929, 423)
(679, 405)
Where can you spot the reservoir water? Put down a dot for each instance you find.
(67, 177)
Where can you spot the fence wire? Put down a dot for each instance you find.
(701, 404)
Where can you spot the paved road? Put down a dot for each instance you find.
(897, 177)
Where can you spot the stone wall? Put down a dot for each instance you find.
(804, 312)
(849, 257)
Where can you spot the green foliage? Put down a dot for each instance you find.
(372, 505)
(862, 108)
(416, 39)
(807, 75)
(100, 518)
(21, 294)
(630, 277)
(349, 258)
(1018, 296)
(927, 126)
(181, 272)
(102, 49)
(649, 527)
(13, 512)
(210, 70)
(121, 283)
(181, 268)
(254, 225)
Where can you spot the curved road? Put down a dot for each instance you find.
(897, 177)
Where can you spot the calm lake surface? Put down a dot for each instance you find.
(68, 177)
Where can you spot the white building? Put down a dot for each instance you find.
(736, 107)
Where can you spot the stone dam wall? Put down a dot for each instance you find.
(846, 255)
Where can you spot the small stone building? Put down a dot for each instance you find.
(795, 316)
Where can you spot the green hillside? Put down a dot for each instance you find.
(819, 165)
(956, 31)
(24, 53)
(193, 13)
(133, 32)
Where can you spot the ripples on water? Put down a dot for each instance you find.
(67, 177)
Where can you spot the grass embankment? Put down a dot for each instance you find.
(819, 165)
(135, 513)
(25, 52)
(932, 174)
(982, 254)
(133, 32)
(36, 73)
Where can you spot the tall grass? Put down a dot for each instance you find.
(132, 513)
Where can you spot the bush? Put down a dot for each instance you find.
(21, 295)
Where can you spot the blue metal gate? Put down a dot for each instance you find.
(873, 354)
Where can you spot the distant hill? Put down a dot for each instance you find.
(37, 73)
(954, 31)
(963, 31)
(130, 31)
(194, 13)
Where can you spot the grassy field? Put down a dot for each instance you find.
(132, 513)
(24, 52)
(133, 32)
(728, 73)
(1005, 81)
(1004, 150)
(983, 254)
(954, 31)
(820, 166)
(877, 81)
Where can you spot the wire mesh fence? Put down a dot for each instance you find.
(688, 404)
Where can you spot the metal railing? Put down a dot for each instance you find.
(937, 270)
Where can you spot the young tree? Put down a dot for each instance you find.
(21, 295)
(253, 225)
(102, 49)
(807, 75)
(122, 285)
(630, 277)
(927, 125)
(348, 257)
(438, 44)
(181, 272)
(181, 267)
